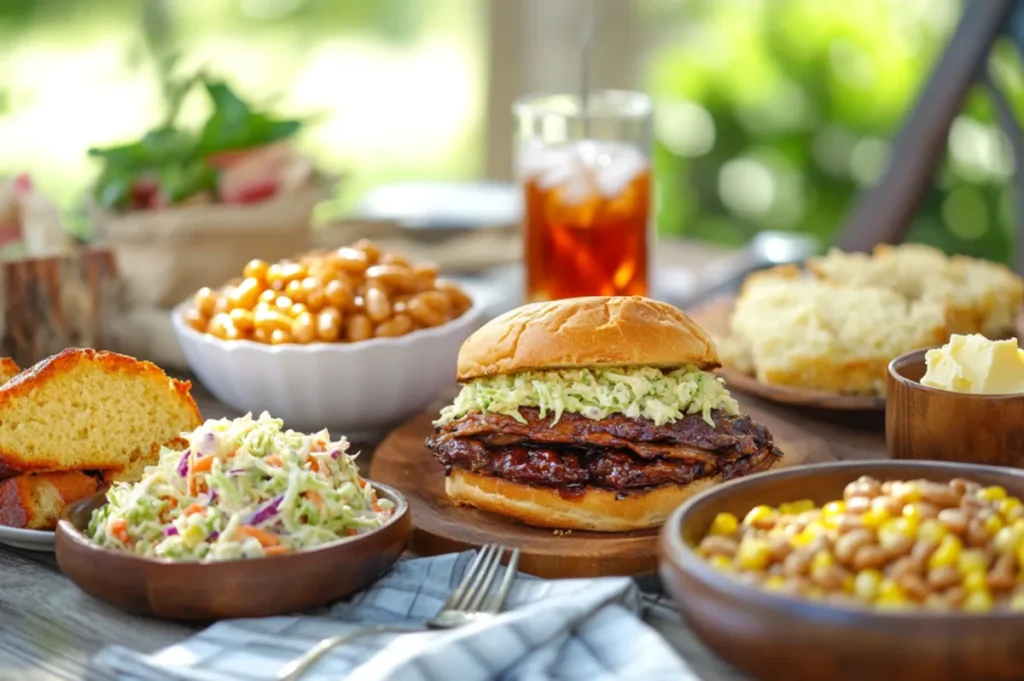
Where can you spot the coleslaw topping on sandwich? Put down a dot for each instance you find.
(244, 488)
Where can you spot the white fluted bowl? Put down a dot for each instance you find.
(356, 389)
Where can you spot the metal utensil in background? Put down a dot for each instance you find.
(767, 249)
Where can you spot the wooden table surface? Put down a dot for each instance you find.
(49, 629)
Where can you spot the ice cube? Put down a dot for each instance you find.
(558, 172)
(622, 166)
(576, 190)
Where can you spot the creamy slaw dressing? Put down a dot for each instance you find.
(244, 488)
(635, 392)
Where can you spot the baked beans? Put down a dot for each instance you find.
(892, 545)
(348, 295)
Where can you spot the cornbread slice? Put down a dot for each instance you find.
(823, 336)
(979, 296)
(8, 369)
(86, 409)
(134, 471)
(35, 501)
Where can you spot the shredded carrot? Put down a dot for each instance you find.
(376, 507)
(276, 550)
(273, 460)
(264, 538)
(119, 528)
(360, 482)
(318, 446)
(317, 500)
(193, 508)
(351, 532)
(204, 464)
(314, 464)
(171, 502)
(232, 453)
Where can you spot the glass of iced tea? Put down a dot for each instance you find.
(586, 180)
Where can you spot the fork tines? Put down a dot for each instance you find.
(476, 583)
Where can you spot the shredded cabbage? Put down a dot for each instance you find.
(244, 488)
(636, 392)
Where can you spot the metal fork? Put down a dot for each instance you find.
(464, 606)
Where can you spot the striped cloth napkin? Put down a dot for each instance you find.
(552, 629)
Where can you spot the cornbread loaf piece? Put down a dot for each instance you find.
(86, 409)
(829, 337)
(8, 369)
(134, 471)
(979, 296)
(35, 501)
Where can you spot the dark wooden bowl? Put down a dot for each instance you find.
(940, 425)
(261, 587)
(781, 638)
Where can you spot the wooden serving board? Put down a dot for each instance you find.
(403, 461)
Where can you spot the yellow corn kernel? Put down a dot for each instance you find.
(724, 524)
(931, 529)
(720, 562)
(972, 560)
(774, 583)
(1008, 505)
(911, 492)
(895, 529)
(874, 516)
(993, 524)
(802, 538)
(1017, 602)
(947, 553)
(758, 514)
(975, 580)
(849, 583)
(890, 596)
(796, 507)
(822, 560)
(1008, 540)
(866, 583)
(978, 601)
(912, 512)
(753, 554)
(1018, 525)
(994, 493)
(834, 508)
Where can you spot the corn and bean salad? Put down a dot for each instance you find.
(348, 295)
(895, 545)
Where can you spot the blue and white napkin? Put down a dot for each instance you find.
(552, 629)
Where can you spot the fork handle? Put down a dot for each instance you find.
(300, 665)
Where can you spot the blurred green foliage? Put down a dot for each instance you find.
(777, 113)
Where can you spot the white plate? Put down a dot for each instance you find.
(30, 540)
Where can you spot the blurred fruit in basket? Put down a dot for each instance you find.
(239, 156)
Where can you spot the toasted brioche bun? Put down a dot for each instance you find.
(596, 510)
(586, 332)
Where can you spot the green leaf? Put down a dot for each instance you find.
(179, 182)
(234, 125)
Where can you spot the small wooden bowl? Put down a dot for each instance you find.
(774, 637)
(940, 425)
(260, 587)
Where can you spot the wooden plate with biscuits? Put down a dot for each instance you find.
(715, 318)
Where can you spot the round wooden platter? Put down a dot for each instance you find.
(714, 317)
(403, 461)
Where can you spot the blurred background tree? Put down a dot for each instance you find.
(773, 114)
(776, 113)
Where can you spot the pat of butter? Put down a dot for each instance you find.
(977, 365)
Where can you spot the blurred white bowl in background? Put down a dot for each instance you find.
(359, 390)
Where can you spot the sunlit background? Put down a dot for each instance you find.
(772, 114)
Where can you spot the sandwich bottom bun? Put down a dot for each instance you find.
(596, 510)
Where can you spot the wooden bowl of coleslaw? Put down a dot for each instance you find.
(227, 589)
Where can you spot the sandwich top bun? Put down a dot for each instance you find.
(597, 331)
